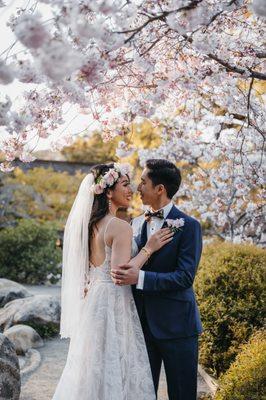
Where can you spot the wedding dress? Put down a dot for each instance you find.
(107, 358)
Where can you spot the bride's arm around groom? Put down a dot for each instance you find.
(187, 260)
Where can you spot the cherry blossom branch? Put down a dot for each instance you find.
(249, 96)
(215, 16)
(160, 17)
(233, 68)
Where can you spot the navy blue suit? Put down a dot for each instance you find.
(167, 307)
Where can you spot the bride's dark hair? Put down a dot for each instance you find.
(100, 205)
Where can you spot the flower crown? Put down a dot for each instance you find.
(110, 177)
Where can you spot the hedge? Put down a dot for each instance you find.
(28, 253)
(230, 290)
(245, 379)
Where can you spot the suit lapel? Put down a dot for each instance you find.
(143, 235)
(172, 215)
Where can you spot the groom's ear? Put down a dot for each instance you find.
(161, 188)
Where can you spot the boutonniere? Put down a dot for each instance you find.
(175, 224)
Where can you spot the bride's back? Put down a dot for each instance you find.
(98, 241)
(114, 233)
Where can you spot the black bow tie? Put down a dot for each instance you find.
(158, 214)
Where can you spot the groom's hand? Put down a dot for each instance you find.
(125, 275)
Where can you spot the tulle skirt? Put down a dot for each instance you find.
(107, 358)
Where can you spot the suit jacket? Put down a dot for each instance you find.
(168, 296)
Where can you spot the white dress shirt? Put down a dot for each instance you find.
(153, 226)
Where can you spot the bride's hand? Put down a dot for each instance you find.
(159, 239)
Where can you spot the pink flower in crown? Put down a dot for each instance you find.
(98, 188)
(175, 224)
(109, 178)
(114, 174)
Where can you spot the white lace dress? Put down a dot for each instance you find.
(107, 358)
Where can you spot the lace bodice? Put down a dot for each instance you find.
(103, 271)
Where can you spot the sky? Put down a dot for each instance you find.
(75, 121)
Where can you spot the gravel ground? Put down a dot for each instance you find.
(41, 384)
(53, 290)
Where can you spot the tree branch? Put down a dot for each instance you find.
(233, 68)
(249, 96)
(159, 17)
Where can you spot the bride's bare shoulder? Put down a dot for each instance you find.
(118, 225)
(121, 223)
(118, 230)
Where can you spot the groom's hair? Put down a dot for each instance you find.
(165, 173)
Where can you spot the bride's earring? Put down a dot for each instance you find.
(109, 204)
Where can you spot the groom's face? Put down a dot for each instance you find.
(147, 190)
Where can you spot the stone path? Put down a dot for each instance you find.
(53, 290)
(40, 385)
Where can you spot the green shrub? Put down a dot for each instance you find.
(229, 286)
(245, 379)
(28, 252)
(48, 330)
(42, 194)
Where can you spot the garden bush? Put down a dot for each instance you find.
(42, 194)
(245, 379)
(229, 286)
(28, 253)
(46, 331)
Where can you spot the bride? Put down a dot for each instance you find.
(107, 357)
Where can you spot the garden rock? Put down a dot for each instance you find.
(10, 290)
(23, 338)
(37, 311)
(9, 370)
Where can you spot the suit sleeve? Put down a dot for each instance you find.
(187, 262)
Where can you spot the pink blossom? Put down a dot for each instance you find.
(109, 178)
(6, 167)
(114, 174)
(42, 132)
(27, 73)
(123, 150)
(98, 189)
(7, 73)
(30, 31)
(125, 169)
(26, 157)
(57, 59)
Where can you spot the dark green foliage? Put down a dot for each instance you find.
(229, 286)
(28, 252)
(245, 379)
(45, 331)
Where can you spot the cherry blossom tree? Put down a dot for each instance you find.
(224, 185)
(197, 65)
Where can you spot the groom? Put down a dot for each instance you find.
(163, 293)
